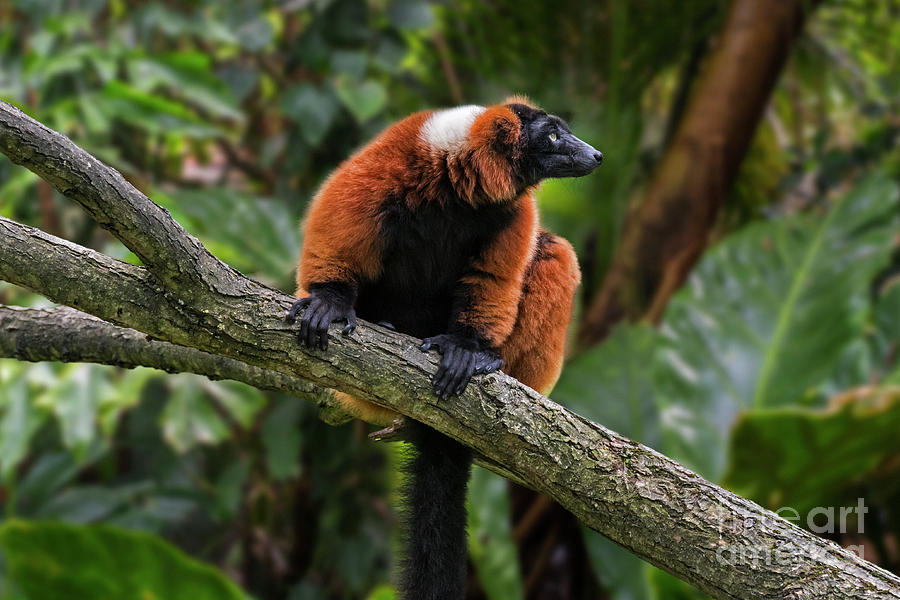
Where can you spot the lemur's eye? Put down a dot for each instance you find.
(552, 137)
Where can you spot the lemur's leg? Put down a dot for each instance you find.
(534, 351)
(364, 410)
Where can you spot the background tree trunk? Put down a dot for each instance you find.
(667, 232)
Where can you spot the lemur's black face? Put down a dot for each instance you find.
(551, 149)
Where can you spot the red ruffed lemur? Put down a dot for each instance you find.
(433, 230)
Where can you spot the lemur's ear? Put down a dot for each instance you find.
(497, 127)
(521, 99)
(493, 141)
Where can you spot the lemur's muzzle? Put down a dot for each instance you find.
(585, 158)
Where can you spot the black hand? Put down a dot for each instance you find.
(461, 359)
(321, 311)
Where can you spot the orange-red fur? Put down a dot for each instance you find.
(338, 239)
(534, 351)
(523, 284)
(497, 127)
(497, 282)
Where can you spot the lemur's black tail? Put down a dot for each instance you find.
(434, 565)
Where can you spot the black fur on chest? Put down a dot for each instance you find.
(427, 250)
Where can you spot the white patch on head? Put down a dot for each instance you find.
(449, 129)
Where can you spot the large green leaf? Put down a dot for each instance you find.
(75, 399)
(190, 81)
(242, 401)
(56, 560)
(313, 108)
(885, 361)
(763, 321)
(151, 102)
(151, 112)
(90, 503)
(806, 457)
(50, 473)
(766, 317)
(199, 410)
(411, 14)
(364, 99)
(612, 384)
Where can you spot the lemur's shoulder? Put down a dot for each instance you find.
(476, 149)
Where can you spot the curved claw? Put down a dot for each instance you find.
(465, 375)
(350, 327)
(324, 322)
(296, 307)
(444, 374)
(456, 370)
(440, 342)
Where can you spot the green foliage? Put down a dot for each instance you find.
(18, 425)
(282, 439)
(747, 330)
(805, 457)
(773, 319)
(231, 114)
(724, 354)
(56, 560)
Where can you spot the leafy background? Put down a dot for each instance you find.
(774, 371)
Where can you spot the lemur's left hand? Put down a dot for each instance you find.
(461, 358)
(321, 311)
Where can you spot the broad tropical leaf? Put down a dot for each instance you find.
(767, 316)
(806, 457)
(56, 560)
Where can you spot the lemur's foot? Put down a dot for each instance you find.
(321, 311)
(461, 358)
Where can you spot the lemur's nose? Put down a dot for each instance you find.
(598, 157)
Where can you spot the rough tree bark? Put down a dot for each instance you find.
(716, 540)
(67, 335)
(666, 233)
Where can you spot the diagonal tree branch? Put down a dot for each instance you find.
(68, 335)
(723, 544)
(145, 228)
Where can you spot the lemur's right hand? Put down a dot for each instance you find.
(322, 310)
(461, 358)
